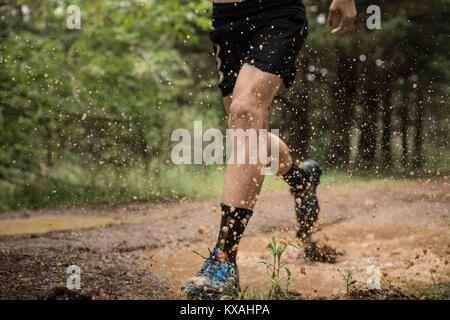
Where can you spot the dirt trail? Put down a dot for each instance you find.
(144, 251)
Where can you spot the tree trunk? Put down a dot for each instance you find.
(298, 125)
(418, 138)
(404, 125)
(342, 112)
(368, 123)
(386, 159)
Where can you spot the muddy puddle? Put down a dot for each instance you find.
(406, 255)
(145, 251)
(50, 223)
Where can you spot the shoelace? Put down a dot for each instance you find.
(211, 266)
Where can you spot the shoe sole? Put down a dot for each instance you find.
(195, 292)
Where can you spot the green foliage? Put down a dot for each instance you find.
(101, 99)
(437, 291)
(245, 294)
(347, 276)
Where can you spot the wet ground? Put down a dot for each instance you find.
(145, 251)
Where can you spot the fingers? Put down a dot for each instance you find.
(331, 17)
(347, 10)
(345, 25)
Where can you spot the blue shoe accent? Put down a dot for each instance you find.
(314, 171)
(216, 277)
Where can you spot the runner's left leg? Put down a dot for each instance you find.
(303, 187)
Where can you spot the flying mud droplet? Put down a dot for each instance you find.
(303, 270)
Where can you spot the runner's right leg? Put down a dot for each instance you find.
(284, 155)
(252, 95)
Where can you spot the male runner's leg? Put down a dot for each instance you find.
(284, 155)
(247, 109)
(252, 95)
(237, 179)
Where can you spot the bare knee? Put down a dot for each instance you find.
(246, 113)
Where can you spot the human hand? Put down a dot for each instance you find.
(347, 10)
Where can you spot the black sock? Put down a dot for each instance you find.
(232, 226)
(297, 178)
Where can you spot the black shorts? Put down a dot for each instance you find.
(267, 34)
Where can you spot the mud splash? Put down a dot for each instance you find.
(403, 229)
(406, 256)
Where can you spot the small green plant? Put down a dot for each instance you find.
(386, 283)
(275, 268)
(275, 271)
(347, 276)
(21, 286)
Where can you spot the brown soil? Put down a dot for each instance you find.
(145, 251)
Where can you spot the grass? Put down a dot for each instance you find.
(69, 185)
(437, 291)
(350, 281)
(341, 179)
(74, 184)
